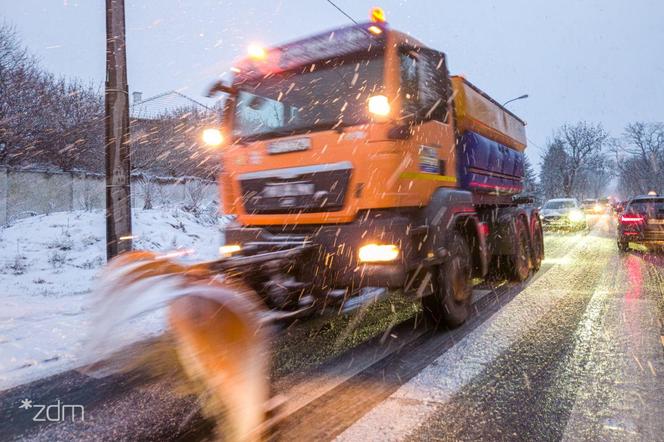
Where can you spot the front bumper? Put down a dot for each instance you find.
(562, 222)
(645, 237)
(333, 262)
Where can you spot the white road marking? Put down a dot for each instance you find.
(620, 360)
(415, 401)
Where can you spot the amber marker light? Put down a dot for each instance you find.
(379, 105)
(256, 51)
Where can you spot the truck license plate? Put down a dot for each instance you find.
(288, 189)
(292, 145)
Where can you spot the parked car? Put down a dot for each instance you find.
(563, 213)
(642, 222)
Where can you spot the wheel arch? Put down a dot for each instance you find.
(453, 209)
(469, 225)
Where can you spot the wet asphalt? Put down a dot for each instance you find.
(590, 369)
(574, 353)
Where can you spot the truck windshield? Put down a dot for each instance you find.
(324, 95)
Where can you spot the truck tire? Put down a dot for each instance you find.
(537, 249)
(450, 302)
(518, 264)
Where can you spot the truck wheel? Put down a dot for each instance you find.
(518, 265)
(537, 249)
(450, 302)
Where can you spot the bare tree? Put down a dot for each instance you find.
(195, 194)
(530, 183)
(640, 157)
(147, 188)
(170, 145)
(553, 170)
(595, 177)
(47, 121)
(572, 150)
(18, 75)
(44, 120)
(581, 142)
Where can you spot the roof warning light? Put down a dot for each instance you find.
(377, 15)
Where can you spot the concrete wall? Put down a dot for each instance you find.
(25, 193)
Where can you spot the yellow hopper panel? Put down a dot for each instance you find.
(477, 112)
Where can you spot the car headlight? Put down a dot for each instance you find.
(575, 216)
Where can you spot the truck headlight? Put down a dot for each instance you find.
(378, 253)
(575, 216)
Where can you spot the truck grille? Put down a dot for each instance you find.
(319, 188)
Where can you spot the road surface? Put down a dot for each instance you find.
(574, 353)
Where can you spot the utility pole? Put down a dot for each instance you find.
(118, 184)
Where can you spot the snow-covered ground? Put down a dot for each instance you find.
(48, 265)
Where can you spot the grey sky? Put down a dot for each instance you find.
(599, 60)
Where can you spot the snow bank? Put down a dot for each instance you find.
(48, 265)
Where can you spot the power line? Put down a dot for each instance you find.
(342, 11)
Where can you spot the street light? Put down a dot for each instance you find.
(514, 99)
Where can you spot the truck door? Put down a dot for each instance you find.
(425, 105)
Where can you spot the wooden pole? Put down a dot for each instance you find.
(118, 176)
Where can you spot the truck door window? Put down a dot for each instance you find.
(409, 83)
(424, 84)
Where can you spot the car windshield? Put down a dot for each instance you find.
(653, 208)
(565, 204)
(320, 95)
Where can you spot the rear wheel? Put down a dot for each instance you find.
(518, 264)
(537, 249)
(450, 302)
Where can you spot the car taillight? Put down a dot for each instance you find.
(631, 219)
(484, 229)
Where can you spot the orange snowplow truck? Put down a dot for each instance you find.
(352, 159)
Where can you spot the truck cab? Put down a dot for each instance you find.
(358, 143)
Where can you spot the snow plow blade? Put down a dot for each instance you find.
(220, 329)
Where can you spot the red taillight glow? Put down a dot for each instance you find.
(631, 219)
(484, 229)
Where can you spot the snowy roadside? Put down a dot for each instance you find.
(48, 265)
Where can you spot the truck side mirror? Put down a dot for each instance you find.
(218, 87)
